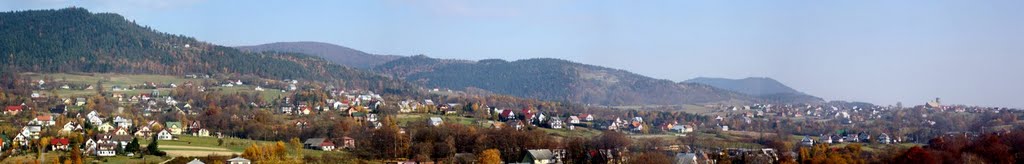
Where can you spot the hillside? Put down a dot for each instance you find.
(554, 79)
(75, 40)
(334, 53)
(763, 87)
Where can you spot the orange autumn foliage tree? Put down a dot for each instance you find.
(269, 153)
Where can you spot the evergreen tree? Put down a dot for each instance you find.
(153, 148)
(119, 148)
(133, 147)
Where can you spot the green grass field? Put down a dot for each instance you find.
(49, 156)
(202, 145)
(268, 94)
(109, 80)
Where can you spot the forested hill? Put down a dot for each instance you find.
(334, 53)
(763, 87)
(75, 40)
(554, 79)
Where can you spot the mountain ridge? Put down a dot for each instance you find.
(554, 79)
(763, 87)
(335, 53)
(76, 40)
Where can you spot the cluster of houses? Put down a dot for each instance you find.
(508, 118)
(850, 138)
(524, 118)
(110, 134)
(118, 133)
(341, 101)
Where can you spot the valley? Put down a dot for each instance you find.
(80, 86)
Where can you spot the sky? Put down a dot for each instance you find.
(883, 52)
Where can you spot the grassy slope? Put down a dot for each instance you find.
(234, 145)
(109, 80)
(49, 156)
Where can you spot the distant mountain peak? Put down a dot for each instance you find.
(57, 41)
(750, 85)
(335, 53)
(764, 87)
(553, 79)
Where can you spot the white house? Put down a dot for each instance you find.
(43, 120)
(106, 150)
(203, 132)
(144, 132)
(686, 158)
(436, 121)
(884, 139)
(682, 129)
(587, 117)
(539, 156)
(555, 123)
(319, 144)
(71, 126)
(195, 161)
(105, 127)
(574, 120)
(406, 106)
(122, 122)
(239, 160)
(807, 141)
(164, 135)
(90, 146)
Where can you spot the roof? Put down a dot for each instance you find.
(58, 109)
(314, 141)
(435, 119)
(13, 108)
(541, 154)
(169, 124)
(326, 143)
(59, 141)
(195, 161)
(556, 118)
(680, 127)
(239, 159)
(44, 118)
(683, 157)
(506, 113)
(806, 138)
(469, 156)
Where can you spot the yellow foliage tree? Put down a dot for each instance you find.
(490, 156)
(297, 146)
(253, 152)
(280, 150)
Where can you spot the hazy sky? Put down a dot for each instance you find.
(966, 52)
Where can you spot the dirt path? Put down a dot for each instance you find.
(168, 160)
